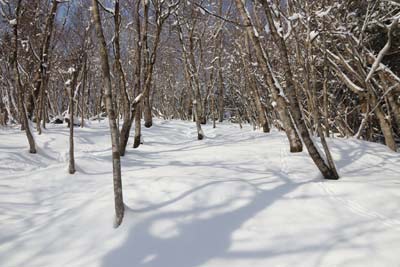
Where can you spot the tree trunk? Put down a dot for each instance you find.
(138, 126)
(127, 119)
(71, 167)
(383, 122)
(83, 106)
(220, 86)
(200, 134)
(147, 117)
(44, 65)
(118, 197)
(134, 109)
(21, 106)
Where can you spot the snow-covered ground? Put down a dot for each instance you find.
(236, 199)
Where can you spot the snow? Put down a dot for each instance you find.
(295, 16)
(237, 198)
(278, 27)
(266, 28)
(313, 34)
(255, 32)
(13, 22)
(201, 10)
(288, 32)
(323, 13)
(138, 98)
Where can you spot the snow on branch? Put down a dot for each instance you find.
(345, 79)
(384, 50)
(106, 9)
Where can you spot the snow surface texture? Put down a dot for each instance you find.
(236, 199)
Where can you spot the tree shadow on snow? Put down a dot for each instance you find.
(195, 241)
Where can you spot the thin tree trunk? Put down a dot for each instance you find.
(138, 126)
(71, 167)
(383, 122)
(213, 110)
(147, 116)
(220, 85)
(137, 80)
(127, 120)
(118, 197)
(83, 106)
(148, 120)
(44, 65)
(200, 134)
(391, 98)
(325, 87)
(21, 106)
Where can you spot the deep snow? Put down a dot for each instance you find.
(236, 199)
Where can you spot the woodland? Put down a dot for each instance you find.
(321, 75)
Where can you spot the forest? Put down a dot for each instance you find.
(185, 123)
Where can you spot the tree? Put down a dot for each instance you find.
(43, 70)
(118, 198)
(21, 106)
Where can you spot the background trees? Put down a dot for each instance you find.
(342, 57)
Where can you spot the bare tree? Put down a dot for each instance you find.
(21, 106)
(43, 70)
(118, 198)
